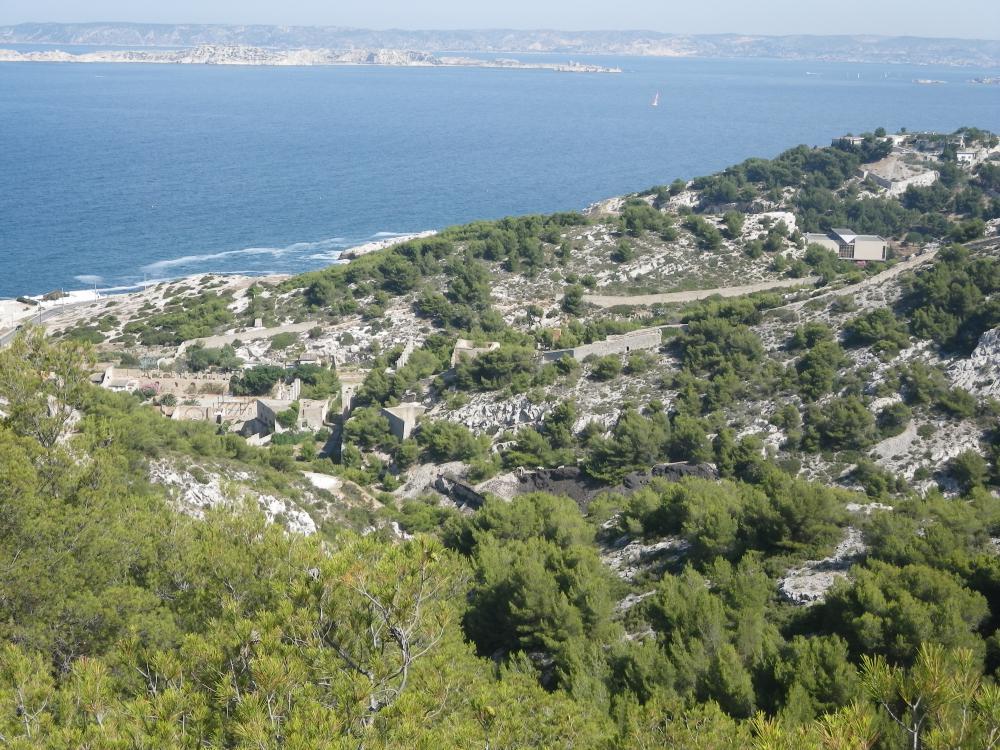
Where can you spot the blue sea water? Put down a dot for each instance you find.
(113, 173)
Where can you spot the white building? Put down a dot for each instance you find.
(853, 140)
(971, 155)
(850, 245)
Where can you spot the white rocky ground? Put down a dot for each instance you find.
(809, 583)
(904, 454)
(420, 479)
(504, 486)
(489, 413)
(197, 489)
(980, 373)
(627, 557)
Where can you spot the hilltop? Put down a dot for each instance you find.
(633, 476)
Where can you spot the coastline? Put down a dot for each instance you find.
(14, 313)
(260, 57)
(370, 247)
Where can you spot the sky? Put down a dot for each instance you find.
(959, 18)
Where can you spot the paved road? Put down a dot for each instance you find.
(39, 319)
(696, 294)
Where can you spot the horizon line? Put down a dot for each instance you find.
(537, 29)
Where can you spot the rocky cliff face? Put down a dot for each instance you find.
(980, 373)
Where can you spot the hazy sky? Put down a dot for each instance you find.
(960, 18)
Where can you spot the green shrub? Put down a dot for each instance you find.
(707, 235)
(449, 441)
(508, 366)
(606, 368)
(839, 424)
(893, 419)
(572, 301)
(639, 362)
(199, 359)
(289, 417)
(256, 381)
(880, 329)
(283, 341)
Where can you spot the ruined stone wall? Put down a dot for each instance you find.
(288, 392)
(350, 384)
(642, 340)
(404, 356)
(188, 384)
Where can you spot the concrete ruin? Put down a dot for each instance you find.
(202, 398)
(850, 245)
(895, 175)
(247, 415)
(350, 383)
(312, 414)
(120, 379)
(403, 418)
(404, 356)
(465, 349)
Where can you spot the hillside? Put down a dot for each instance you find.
(667, 472)
(868, 48)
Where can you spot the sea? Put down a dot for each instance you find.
(116, 175)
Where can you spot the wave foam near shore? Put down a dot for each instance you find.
(329, 250)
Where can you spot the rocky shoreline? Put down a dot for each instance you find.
(25, 308)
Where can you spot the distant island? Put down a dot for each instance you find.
(857, 48)
(209, 54)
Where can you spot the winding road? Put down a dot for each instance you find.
(38, 319)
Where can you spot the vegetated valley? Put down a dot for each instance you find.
(666, 473)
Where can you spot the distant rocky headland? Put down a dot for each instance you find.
(210, 54)
(856, 48)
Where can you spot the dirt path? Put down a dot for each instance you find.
(902, 267)
(738, 291)
(696, 294)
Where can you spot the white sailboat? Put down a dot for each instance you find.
(656, 100)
